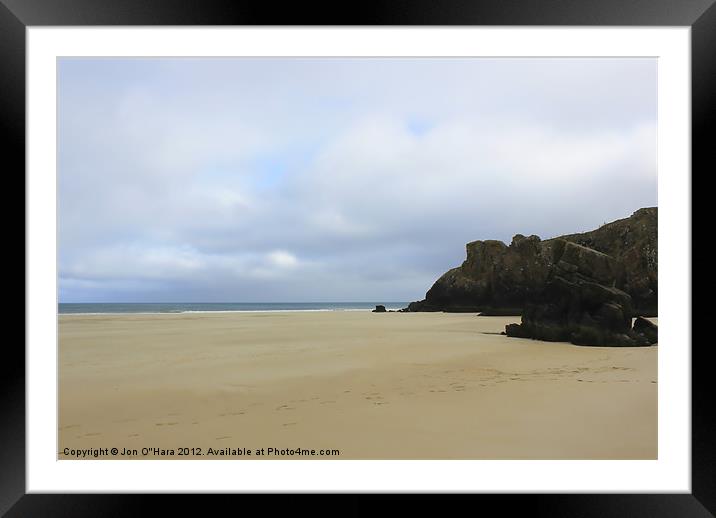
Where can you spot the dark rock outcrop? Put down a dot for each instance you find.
(500, 312)
(499, 279)
(495, 278)
(647, 329)
(633, 242)
(580, 303)
(379, 309)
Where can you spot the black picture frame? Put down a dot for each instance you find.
(16, 15)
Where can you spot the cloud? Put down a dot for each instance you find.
(252, 179)
(282, 259)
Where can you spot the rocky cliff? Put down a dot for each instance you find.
(580, 304)
(633, 243)
(499, 279)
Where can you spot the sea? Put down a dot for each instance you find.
(207, 307)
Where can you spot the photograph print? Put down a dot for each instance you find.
(357, 258)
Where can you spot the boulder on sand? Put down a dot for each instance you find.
(379, 309)
(647, 329)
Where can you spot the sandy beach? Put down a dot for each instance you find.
(372, 386)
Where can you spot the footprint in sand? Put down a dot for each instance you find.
(285, 407)
(223, 437)
(288, 424)
(133, 435)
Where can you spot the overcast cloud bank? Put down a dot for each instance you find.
(334, 179)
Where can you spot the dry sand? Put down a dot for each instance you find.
(374, 386)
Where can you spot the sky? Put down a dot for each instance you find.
(334, 179)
